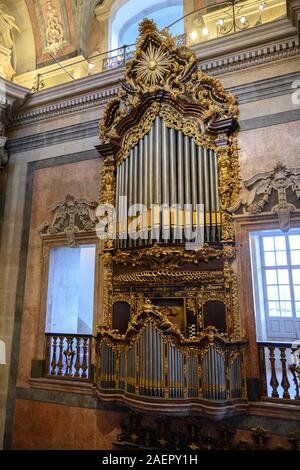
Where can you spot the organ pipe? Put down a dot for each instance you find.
(165, 169)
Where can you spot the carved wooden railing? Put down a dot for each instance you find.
(68, 356)
(279, 371)
(153, 362)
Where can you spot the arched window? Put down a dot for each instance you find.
(127, 14)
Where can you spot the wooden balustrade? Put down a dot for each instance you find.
(68, 356)
(279, 371)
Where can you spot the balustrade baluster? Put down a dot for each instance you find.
(285, 381)
(69, 355)
(84, 365)
(60, 359)
(263, 372)
(77, 362)
(273, 382)
(54, 355)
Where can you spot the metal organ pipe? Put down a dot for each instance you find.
(187, 188)
(180, 183)
(206, 194)
(165, 179)
(173, 181)
(194, 184)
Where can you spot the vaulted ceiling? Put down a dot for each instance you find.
(76, 18)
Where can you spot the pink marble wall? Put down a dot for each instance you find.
(261, 149)
(48, 426)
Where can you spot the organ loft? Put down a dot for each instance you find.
(171, 334)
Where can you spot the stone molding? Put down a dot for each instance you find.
(262, 89)
(252, 58)
(11, 98)
(267, 43)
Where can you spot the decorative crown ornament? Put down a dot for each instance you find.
(159, 65)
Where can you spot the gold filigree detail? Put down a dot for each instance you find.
(54, 31)
(166, 257)
(229, 185)
(165, 277)
(152, 66)
(159, 65)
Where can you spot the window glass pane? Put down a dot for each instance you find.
(286, 309)
(281, 258)
(297, 304)
(70, 300)
(270, 259)
(284, 292)
(295, 257)
(297, 292)
(280, 243)
(296, 276)
(272, 293)
(274, 310)
(294, 242)
(271, 276)
(268, 243)
(283, 276)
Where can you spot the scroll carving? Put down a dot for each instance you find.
(277, 191)
(71, 216)
(54, 32)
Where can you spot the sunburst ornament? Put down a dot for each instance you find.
(152, 65)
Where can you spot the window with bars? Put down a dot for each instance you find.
(276, 282)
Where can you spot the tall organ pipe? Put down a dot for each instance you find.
(207, 195)
(125, 203)
(187, 188)
(173, 182)
(131, 182)
(180, 182)
(149, 180)
(140, 162)
(165, 184)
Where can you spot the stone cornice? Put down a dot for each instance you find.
(247, 49)
(251, 58)
(267, 88)
(13, 91)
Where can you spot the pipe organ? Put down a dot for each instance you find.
(170, 331)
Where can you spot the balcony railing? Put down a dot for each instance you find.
(68, 356)
(279, 371)
(204, 24)
(212, 22)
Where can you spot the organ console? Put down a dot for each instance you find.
(170, 336)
